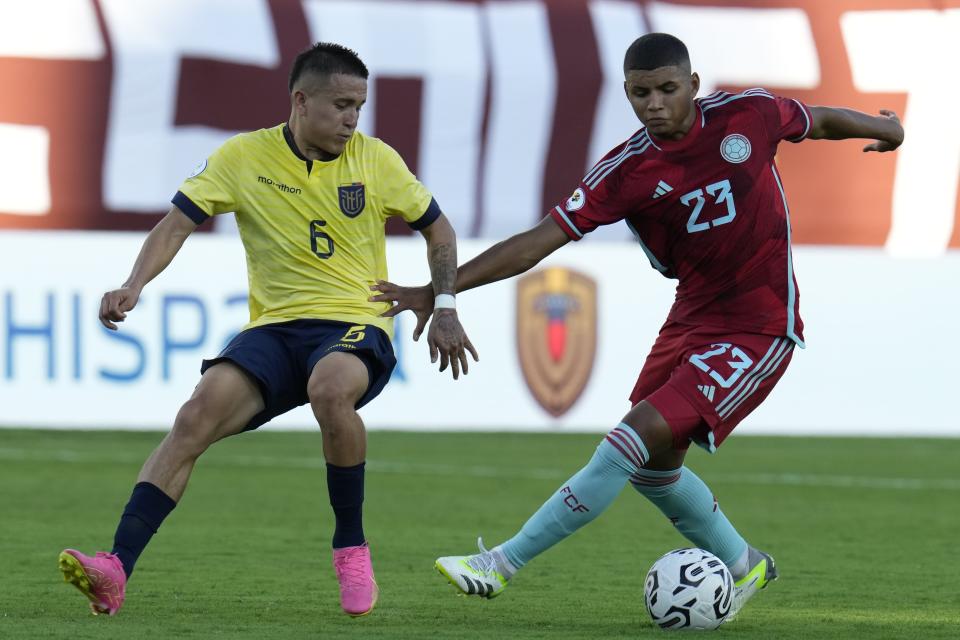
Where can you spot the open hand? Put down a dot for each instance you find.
(115, 304)
(416, 299)
(449, 342)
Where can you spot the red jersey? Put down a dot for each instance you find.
(708, 210)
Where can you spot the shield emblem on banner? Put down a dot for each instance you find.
(556, 335)
(352, 199)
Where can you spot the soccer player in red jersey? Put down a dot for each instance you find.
(699, 187)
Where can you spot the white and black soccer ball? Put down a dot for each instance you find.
(688, 589)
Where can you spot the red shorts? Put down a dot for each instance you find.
(704, 382)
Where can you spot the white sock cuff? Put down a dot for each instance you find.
(504, 565)
(741, 566)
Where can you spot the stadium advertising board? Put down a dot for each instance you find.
(877, 361)
(499, 107)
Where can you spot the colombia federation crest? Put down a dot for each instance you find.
(556, 335)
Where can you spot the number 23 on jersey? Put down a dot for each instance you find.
(699, 219)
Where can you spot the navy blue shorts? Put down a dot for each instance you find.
(280, 358)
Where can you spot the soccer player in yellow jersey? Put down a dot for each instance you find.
(311, 198)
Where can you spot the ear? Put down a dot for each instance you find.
(626, 91)
(300, 101)
(694, 84)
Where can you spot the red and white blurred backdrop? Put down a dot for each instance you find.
(499, 107)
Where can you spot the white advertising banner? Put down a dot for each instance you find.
(880, 360)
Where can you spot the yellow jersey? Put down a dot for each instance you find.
(313, 231)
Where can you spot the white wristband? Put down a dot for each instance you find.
(445, 301)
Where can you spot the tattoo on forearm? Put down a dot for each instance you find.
(443, 267)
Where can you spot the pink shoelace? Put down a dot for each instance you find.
(352, 567)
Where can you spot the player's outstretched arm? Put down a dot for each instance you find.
(446, 338)
(513, 256)
(832, 123)
(505, 259)
(162, 243)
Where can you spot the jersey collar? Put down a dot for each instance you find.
(288, 136)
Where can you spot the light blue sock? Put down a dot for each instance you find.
(581, 498)
(691, 507)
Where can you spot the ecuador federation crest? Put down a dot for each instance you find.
(556, 335)
(352, 199)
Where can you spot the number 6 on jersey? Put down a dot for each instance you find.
(316, 234)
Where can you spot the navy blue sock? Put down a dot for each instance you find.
(345, 486)
(141, 518)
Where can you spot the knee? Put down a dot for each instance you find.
(330, 396)
(646, 422)
(194, 428)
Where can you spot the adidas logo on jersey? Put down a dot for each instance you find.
(707, 390)
(662, 189)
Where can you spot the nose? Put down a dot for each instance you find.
(655, 103)
(351, 118)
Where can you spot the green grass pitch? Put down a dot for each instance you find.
(864, 532)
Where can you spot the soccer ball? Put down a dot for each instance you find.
(688, 589)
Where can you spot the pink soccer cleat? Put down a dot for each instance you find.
(358, 589)
(100, 578)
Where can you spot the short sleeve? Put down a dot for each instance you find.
(589, 207)
(210, 189)
(403, 195)
(788, 119)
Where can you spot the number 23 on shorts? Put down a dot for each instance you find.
(738, 361)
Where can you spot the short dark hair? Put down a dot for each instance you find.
(655, 50)
(326, 59)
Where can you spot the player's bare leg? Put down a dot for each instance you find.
(221, 405)
(647, 422)
(337, 383)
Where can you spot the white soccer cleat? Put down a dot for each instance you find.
(763, 571)
(476, 575)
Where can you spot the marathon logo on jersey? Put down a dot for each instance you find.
(352, 199)
(556, 335)
(279, 186)
(735, 148)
